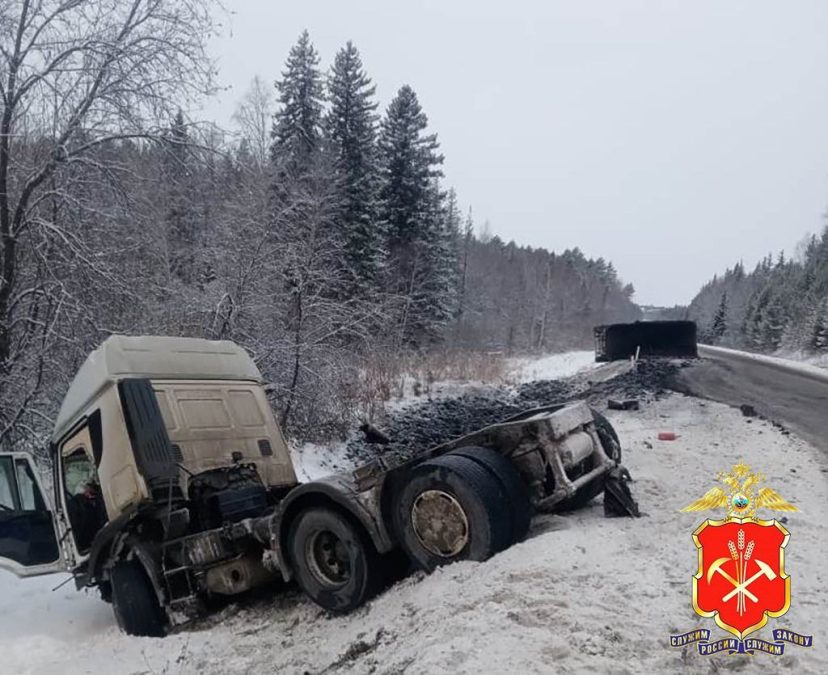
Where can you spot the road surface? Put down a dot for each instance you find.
(793, 399)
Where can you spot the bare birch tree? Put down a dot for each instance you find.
(75, 76)
(254, 116)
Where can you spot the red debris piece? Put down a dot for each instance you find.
(666, 436)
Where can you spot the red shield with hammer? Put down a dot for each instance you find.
(741, 579)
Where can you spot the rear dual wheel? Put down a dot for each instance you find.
(466, 505)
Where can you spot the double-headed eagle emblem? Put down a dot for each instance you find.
(742, 495)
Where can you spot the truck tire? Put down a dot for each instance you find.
(334, 562)
(612, 447)
(135, 602)
(511, 482)
(450, 509)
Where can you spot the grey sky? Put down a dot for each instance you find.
(672, 137)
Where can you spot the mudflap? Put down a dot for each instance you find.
(618, 500)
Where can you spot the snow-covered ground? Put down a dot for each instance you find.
(581, 594)
(819, 360)
(808, 368)
(552, 366)
(517, 370)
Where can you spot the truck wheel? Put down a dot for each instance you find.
(134, 601)
(509, 478)
(334, 562)
(612, 447)
(449, 509)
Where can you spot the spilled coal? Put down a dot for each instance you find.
(432, 422)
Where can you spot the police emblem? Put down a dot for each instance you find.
(741, 580)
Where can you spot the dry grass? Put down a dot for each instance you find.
(388, 377)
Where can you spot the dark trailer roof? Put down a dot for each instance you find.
(646, 338)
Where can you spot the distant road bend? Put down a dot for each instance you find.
(794, 396)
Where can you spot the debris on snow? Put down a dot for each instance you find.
(416, 427)
(747, 410)
(630, 404)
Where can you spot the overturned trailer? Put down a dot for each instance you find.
(173, 483)
(645, 339)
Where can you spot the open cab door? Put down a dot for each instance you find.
(28, 536)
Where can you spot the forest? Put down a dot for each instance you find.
(782, 304)
(318, 232)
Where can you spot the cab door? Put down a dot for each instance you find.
(28, 535)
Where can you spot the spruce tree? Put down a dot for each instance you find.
(181, 217)
(413, 209)
(297, 124)
(351, 130)
(774, 323)
(754, 318)
(818, 341)
(719, 326)
(410, 160)
(440, 264)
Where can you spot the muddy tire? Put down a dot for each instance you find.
(135, 602)
(452, 508)
(334, 562)
(612, 447)
(511, 482)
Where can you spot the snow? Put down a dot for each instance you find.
(551, 367)
(517, 371)
(312, 461)
(581, 594)
(801, 368)
(818, 360)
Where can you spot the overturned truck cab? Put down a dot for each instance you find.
(172, 482)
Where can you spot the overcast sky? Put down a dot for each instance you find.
(672, 138)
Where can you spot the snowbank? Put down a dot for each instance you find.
(787, 365)
(581, 594)
(818, 360)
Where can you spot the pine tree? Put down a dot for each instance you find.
(719, 326)
(181, 226)
(468, 238)
(819, 330)
(412, 206)
(410, 160)
(351, 130)
(453, 236)
(444, 258)
(297, 125)
(754, 317)
(773, 326)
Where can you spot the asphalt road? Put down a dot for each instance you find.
(795, 400)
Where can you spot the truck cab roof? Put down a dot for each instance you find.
(155, 357)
